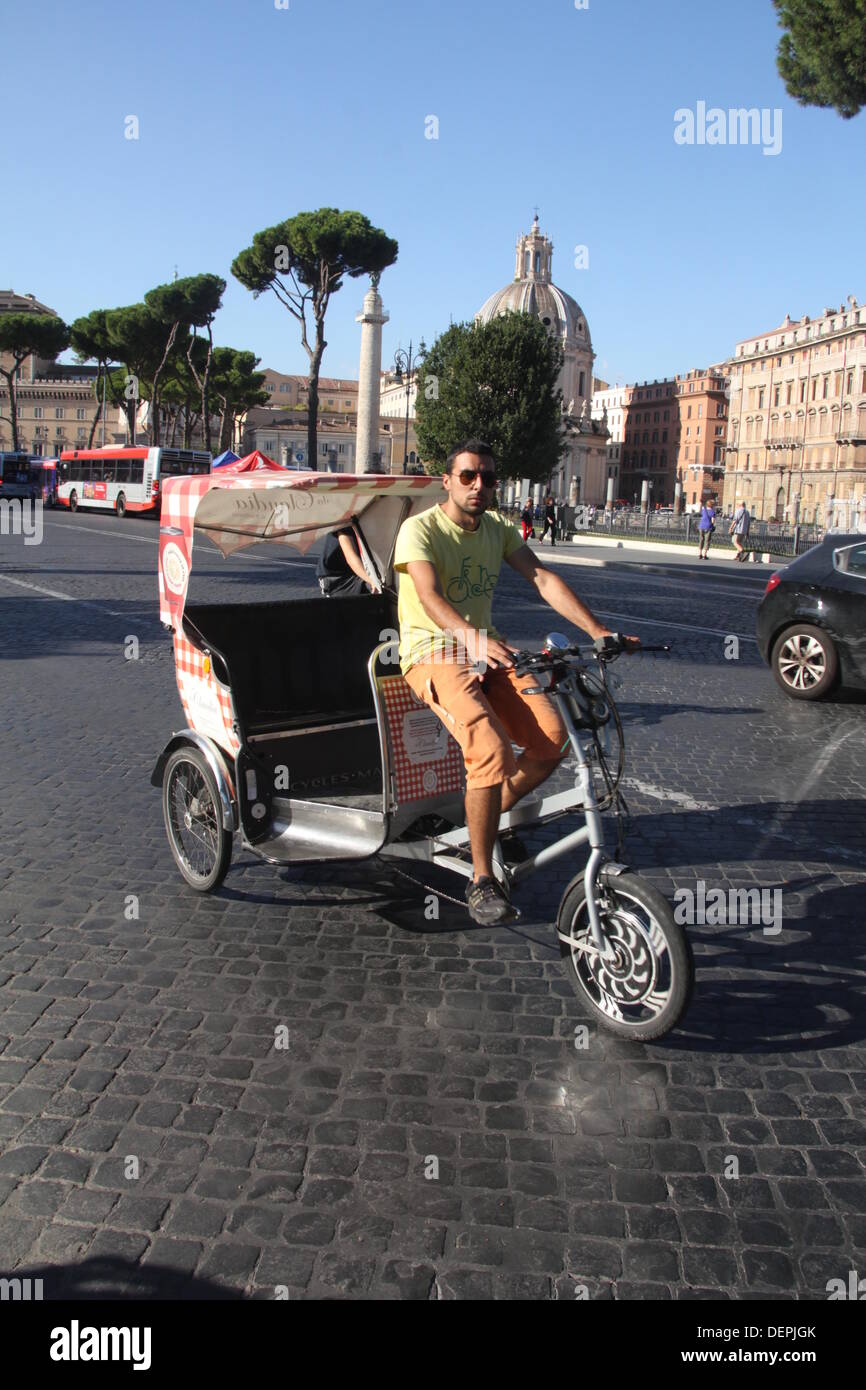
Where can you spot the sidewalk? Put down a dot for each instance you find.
(630, 555)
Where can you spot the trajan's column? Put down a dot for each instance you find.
(371, 319)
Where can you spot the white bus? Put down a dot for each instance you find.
(122, 480)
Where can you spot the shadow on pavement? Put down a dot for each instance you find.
(100, 1280)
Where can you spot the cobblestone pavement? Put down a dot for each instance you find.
(152, 1138)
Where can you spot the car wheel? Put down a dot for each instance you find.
(804, 662)
(73, 501)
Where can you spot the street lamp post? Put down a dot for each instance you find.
(405, 363)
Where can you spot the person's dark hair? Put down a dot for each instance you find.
(469, 446)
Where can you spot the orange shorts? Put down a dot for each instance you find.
(486, 719)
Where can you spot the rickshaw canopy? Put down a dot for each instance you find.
(250, 502)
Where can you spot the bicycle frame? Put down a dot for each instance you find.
(581, 797)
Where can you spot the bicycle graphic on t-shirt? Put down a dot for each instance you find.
(461, 586)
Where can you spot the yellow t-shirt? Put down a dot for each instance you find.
(467, 563)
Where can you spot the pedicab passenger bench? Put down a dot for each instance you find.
(302, 695)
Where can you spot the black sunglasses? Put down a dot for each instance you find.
(467, 476)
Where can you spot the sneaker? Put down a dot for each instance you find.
(487, 903)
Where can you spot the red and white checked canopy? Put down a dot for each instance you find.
(246, 503)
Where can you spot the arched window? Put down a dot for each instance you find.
(780, 504)
(528, 262)
(537, 261)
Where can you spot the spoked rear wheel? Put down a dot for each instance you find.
(201, 846)
(642, 991)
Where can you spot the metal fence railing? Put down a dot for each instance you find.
(770, 537)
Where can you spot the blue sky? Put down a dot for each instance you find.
(249, 113)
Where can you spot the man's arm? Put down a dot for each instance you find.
(353, 559)
(557, 594)
(426, 580)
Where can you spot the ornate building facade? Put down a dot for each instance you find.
(796, 441)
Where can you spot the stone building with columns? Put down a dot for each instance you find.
(796, 440)
(582, 472)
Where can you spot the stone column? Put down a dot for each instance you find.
(371, 320)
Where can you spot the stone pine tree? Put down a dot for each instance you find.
(204, 297)
(23, 336)
(89, 337)
(822, 52)
(237, 386)
(496, 381)
(304, 261)
(137, 339)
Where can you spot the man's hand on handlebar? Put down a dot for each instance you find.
(498, 653)
(607, 641)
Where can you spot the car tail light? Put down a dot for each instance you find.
(772, 582)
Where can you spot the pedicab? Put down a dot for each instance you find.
(305, 743)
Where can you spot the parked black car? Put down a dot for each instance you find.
(811, 622)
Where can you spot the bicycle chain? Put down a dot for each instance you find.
(437, 892)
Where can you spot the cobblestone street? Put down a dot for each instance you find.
(151, 1135)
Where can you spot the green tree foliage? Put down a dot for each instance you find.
(23, 336)
(496, 381)
(137, 339)
(303, 261)
(822, 52)
(89, 338)
(181, 391)
(204, 299)
(237, 386)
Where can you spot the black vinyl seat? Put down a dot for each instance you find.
(298, 664)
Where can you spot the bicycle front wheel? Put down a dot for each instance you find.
(643, 990)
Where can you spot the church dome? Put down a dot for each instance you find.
(532, 292)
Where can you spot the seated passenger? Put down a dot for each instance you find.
(340, 569)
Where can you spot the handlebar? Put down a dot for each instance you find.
(603, 650)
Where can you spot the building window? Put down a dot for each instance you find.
(37, 412)
(58, 412)
(323, 448)
(81, 413)
(581, 383)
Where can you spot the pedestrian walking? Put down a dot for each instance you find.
(549, 520)
(740, 529)
(706, 527)
(526, 517)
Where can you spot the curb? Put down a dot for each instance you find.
(643, 566)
